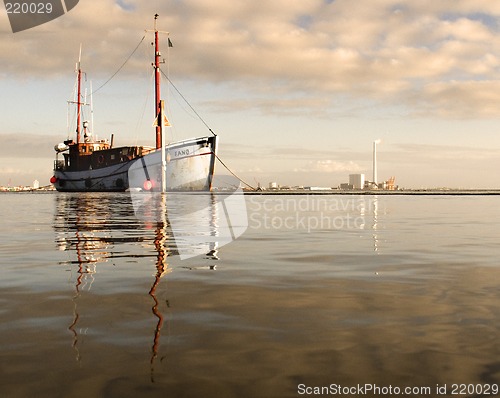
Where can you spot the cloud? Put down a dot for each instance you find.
(440, 153)
(14, 173)
(11, 171)
(28, 146)
(271, 105)
(329, 166)
(414, 54)
(462, 99)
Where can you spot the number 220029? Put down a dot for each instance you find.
(474, 389)
(28, 8)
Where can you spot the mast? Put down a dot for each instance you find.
(91, 109)
(159, 110)
(78, 100)
(157, 87)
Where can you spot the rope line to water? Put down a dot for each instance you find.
(228, 169)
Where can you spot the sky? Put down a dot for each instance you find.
(296, 90)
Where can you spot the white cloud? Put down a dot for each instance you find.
(463, 99)
(329, 166)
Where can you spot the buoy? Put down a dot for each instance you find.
(148, 185)
(53, 179)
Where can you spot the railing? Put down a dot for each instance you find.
(59, 165)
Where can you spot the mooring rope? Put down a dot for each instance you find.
(228, 169)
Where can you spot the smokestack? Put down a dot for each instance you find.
(375, 161)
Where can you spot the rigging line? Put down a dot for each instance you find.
(228, 169)
(139, 122)
(120, 68)
(187, 102)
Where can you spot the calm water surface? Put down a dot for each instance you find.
(389, 290)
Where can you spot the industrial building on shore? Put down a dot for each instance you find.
(359, 182)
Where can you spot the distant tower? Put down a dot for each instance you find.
(375, 161)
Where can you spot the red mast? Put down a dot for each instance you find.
(157, 87)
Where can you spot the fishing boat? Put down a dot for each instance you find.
(92, 165)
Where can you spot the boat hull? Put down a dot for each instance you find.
(107, 179)
(189, 167)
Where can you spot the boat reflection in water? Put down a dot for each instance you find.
(94, 228)
(197, 219)
(106, 233)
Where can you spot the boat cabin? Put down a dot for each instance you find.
(95, 155)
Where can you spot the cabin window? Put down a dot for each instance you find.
(112, 156)
(84, 148)
(91, 149)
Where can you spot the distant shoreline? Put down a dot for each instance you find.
(304, 192)
(435, 192)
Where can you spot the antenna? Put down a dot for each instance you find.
(79, 58)
(78, 99)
